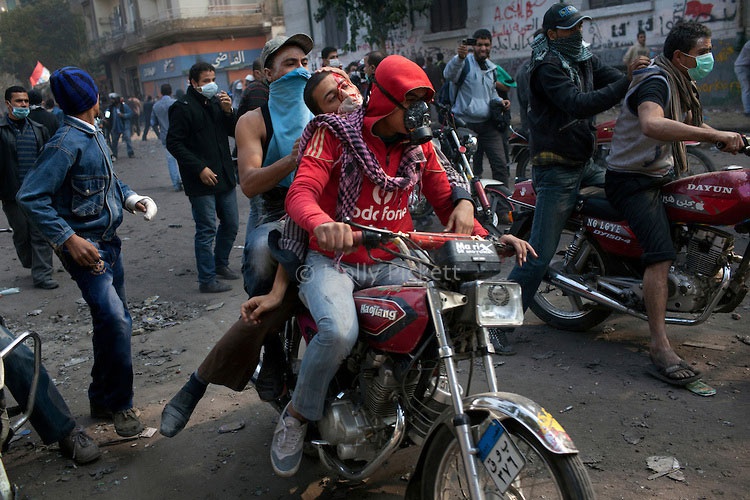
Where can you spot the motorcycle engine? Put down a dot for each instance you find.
(698, 268)
(359, 426)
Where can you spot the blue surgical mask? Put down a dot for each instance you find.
(209, 90)
(296, 73)
(704, 65)
(21, 113)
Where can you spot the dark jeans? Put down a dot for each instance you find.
(556, 191)
(103, 289)
(51, 417)
(31, 247)
(490, 141)
(116, 142)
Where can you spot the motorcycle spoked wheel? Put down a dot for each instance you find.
(420, 210)
(698, 161)
(564, 311)
(545, 475)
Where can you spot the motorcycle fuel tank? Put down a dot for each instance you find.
(716, 198)
(392, 318)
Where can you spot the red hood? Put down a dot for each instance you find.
(397, 75)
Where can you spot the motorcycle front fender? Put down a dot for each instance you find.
(502, 406)
(507, 405)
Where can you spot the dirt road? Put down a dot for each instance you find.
(594, 383)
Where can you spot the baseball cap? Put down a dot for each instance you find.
(249, 78)
(273, 45)
(562, 16)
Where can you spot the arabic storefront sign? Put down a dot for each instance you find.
(179, 66)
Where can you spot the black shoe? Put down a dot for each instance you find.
(499, 342)
(271, 378)
(214, 287)
(48, 284)
(79, 446)
(224, 273)
(176, 413)
(131, 155)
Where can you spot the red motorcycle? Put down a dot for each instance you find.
(598, 270)
(698, 161)
(400, 386)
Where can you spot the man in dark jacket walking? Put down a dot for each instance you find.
(569, 86)
(39, 114)
(21, 140)
(200, 124)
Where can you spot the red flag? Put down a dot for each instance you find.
(39, 75)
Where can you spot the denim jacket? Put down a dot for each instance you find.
(73, 187)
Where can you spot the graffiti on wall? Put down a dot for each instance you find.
(514, 23)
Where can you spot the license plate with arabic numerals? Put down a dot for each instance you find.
(500, 456)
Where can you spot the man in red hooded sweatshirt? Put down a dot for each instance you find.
(360, 166)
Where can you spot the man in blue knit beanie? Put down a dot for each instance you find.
(76, 201)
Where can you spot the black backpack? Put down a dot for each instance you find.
(444, 96)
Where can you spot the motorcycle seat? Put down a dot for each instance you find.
(592, 201)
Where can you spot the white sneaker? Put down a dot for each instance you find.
(286, 448)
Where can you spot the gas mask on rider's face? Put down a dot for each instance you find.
(416, 118)
(417, 122)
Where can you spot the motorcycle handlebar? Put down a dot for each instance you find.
(371, 237)
(745, 150)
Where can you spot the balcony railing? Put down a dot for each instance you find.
(204, 11)
(121, 37)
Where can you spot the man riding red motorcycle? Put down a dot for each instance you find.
(661, 109)
(361, 167)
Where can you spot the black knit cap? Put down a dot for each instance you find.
(74, 90)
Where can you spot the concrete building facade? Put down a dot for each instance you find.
(512, 22)
(145, 43)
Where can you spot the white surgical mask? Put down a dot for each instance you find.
(209, 90)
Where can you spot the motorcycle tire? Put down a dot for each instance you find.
(558, 309)
(502, 208)
(545, 475)
(698, 161)
(522, 165)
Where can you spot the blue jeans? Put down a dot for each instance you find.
(327, 293)
(51, 417)
(206, 209)
(103, 289)
(174, 170)
(116, 140)
(743, 75)
(556, 191)
(258, 265)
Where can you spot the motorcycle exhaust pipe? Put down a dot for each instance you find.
(576, 288)
(337, 466)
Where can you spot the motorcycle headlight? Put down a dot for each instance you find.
(497, 303)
